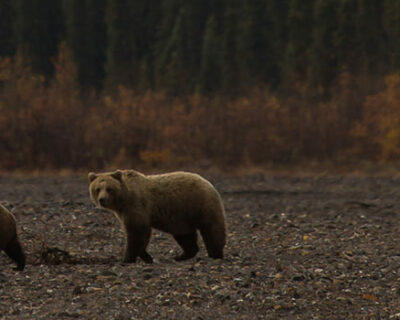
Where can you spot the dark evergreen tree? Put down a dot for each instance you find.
(392, 28)
(39, 27)
(146, 15)
(131, 30)
(171, 51)
(7, 18)
(76, 13)
(120, 67)
(180, 40)
(346, 42)
(228, 63)
(256, 49)
(96, 42)
(210, 77)
(195, 16)
(323, 57)
(371, 39)
(277, 11)
(300, 26)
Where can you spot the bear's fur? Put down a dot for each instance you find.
(179, 203)
(9, 239)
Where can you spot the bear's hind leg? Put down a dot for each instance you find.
(188, 243)
(15, 252)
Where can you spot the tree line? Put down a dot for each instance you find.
(205, 46)
(100, 83)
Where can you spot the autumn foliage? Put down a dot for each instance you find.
(378, 132)
(54, 125)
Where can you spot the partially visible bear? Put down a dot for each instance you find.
(179, 203)
(9, 239)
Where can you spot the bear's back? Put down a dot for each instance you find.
(181, 201)
(180, 185)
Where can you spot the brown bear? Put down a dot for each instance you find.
(179, 203)
(9, 239)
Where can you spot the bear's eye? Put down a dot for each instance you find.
(109, 190)
(97, 190)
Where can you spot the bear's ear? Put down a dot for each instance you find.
(92, 176)
(117, 175)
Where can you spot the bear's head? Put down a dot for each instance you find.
(106, 189)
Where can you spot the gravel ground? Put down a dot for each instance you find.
(305, 247)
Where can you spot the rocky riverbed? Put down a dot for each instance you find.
(299, 247)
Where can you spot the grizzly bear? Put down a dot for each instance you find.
(179, 203)
(9, 239)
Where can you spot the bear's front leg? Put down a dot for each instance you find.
(137, 239)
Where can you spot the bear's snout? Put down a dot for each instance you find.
(103, 201)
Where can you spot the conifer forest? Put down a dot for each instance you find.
(167, 82)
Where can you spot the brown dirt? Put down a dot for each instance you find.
(310, 247)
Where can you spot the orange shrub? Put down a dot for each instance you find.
(40, 123)
(51, 124)
(378, 133)
(21, 103)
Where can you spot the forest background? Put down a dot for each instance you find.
(167, 83)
